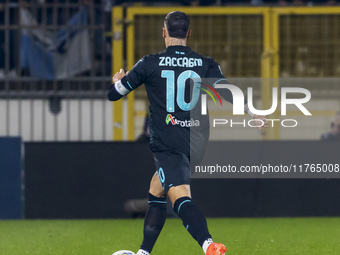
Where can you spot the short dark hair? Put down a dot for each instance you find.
(177, 24)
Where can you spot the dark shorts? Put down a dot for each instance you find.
(173, 168)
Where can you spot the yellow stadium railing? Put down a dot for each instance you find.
(117, 63)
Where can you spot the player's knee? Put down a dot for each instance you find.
(177, 192)
(157, 193)
(159, 202)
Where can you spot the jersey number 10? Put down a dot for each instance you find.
(170, 90)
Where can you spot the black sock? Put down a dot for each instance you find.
(154, 221)
(193, 219)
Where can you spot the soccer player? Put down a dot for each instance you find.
(176, 138)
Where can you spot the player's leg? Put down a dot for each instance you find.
(193, 219)
(155, 216)
(156, 188)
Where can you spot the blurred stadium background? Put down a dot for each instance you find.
(57, 58)
(65, 150)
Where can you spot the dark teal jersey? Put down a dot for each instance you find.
(173, 80)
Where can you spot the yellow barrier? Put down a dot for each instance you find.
(117, 63)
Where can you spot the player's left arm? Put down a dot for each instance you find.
(216, 73)
(124, 83)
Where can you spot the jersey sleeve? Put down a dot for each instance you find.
(215, 72)
(136, 76)
(216, 76)
(129, 82)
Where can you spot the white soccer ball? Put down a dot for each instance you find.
(124, 252)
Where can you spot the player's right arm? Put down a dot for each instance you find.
(125, 83)
(117, 90)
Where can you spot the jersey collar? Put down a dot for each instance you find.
(179, 48)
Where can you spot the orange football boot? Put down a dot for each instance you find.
(216, 249)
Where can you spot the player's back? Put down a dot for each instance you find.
(173, 81)
(173, 84)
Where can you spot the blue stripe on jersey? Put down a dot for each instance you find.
(219, 81)
(129, 84)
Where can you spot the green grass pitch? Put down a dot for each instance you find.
(243, 236)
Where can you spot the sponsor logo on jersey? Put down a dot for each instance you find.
(170, 119)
